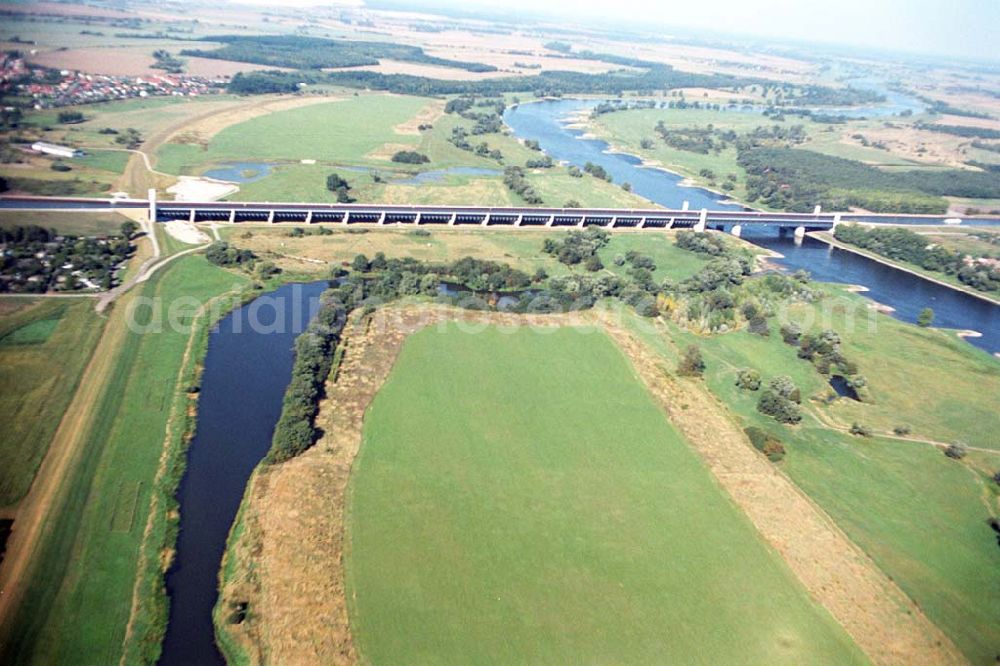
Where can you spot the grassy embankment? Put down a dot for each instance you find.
(538, 488)
(90, 555)
(364, 132)
(920, 515)
(521, 249)
(43, 350)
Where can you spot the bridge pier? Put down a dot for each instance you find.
(702, 220)
(520, 221)
(836, 221)
(346, 219)
(191, 215)
(670, 224)
(613, 222)
(737, 230)
(817, 210)
(552, 219)
(152, 204)
(583, 219)
(486, 220)
(270, 216)
(642, 223)
(800, 232)
(417, 221)
(309, 217)
(451, 221)
(381, 218)
(232, 216)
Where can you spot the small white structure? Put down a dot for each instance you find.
(56, 150)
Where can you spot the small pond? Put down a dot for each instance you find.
(843, 387)
(240, 172)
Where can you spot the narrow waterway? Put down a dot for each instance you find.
(550, 123)
(247, 368)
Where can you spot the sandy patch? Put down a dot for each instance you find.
(387, 150)
(426, 116)
(186, 232)
(190, 188)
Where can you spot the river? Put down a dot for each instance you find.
(247, 368)
(548, 122)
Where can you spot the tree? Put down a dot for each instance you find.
(861, 430)
(128, 229)
(925, 318)
(593, 263)
(780, 408)
(957, 450)
(360, 263)
(572, 203)
(748, 379)
(692, 364)
(785, 387)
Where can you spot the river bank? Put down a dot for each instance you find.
(829, 239)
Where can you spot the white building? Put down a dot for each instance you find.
(56, 150)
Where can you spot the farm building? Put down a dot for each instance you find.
(56, 150)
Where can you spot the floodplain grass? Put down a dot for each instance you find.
(545, 510)
(920, 515)
(521, 248)
(77, 605)
(43, 351)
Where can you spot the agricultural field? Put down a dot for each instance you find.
(941, 388)
(44, 347)
(575, 522)
(89, 557)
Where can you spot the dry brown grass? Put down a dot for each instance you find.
(426, 116)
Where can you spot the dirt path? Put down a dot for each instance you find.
(882, 620)
(34, 511)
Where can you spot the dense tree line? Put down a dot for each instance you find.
(797, 180)
(513, 178)
(961, 130)
(314, 349)
(909, 246)
(298, 52)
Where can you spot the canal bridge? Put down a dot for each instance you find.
(257, 212)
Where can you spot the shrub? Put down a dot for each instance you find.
(593, 263)
(758, 326)
(748, 379)
(410, 157)
(767, 444)
(957, 450)
(778, 407)
(901, 430)
(785, 387)
(860, 430)
(691, 364)
(925, 318)
(791, 334)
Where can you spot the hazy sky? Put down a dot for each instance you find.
(968, 28)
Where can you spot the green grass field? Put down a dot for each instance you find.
(543, 509)
(43, 350)
(77, 605)
(921, 516)
(341, 131)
